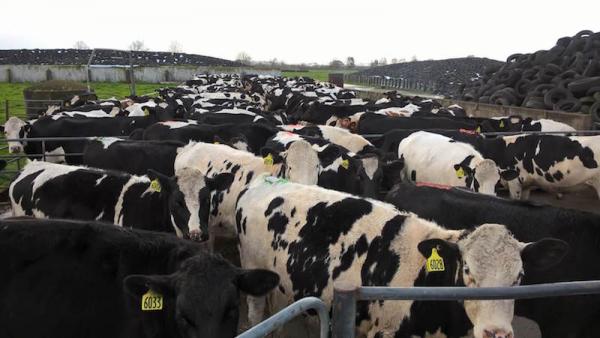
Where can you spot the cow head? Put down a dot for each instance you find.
(200, 299)
(489, 256)
(299, 162)
(181, 194)
(16, 128)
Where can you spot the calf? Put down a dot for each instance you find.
(313, 236)
(153, 202)
(130, 156)
(550, 162)
(459, 209)
(73, 279)
(438, 159)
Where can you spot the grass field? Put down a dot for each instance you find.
(13, 92)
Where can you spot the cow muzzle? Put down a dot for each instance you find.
(198, 236)
(497, 334)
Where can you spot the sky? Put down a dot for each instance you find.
(302, 31)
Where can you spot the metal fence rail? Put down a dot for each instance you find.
(345, 296)
(287, 314)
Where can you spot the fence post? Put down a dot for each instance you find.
(44, 150)
(344, 310)
(6, 110)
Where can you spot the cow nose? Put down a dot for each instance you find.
(195, 235)
(497, 334)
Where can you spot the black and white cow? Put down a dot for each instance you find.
(338, 168)
(313, 236)
(550, 162)
(73, 279)
(246, 136)
(66, 126)
(153, 202)
(435, 158)
(131, 156)
(353, 142)
(459, 209)
(293, 165)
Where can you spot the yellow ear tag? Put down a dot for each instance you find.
(152, 301)
(501, 124)
(146, 111)
(345, 164)
(478, 129)
(268, 159)
(155, 185)
(435, 262)
(460, 173)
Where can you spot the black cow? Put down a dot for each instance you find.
(131, 156)
(370, 123)
(459, 209)
(73, 279)
(249, 136)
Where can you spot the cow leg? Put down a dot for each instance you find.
(525, 194)
(256, 309)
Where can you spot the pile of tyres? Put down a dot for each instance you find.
(564, 78)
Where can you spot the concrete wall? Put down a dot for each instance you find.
(37, 73)
(576, 120)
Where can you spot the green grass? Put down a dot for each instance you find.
(13, 92)
(317, 74)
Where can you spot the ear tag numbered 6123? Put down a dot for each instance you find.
(152, 301)
(435, 262)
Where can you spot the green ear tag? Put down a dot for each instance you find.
(345, 164)
(460, 173)
(268, 159)
(152, 301)
(155, 185)
(146, 111)
(501, 124)
(435, 262)
(478, 129)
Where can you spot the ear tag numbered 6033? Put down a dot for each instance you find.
(435, 262)
(152, 301)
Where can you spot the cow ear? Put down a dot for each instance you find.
(329, 154)
(509, 175)
(544, 253)
(164, 180)
(219, 182)
(27, 127)
(138, 285)
(265, 152)
(391, 173)
(447, 250)
(256, 282)
(456, 166)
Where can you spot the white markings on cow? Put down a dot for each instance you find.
(178, 124)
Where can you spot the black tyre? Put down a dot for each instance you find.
(555, 95)
(581, 86)
(569, 105)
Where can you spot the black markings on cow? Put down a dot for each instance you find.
(347, 256)
(308, 256)
(249, 176)
(413, 175)
(275, 203)
(23, 191)
(281, 289)
(293, 212)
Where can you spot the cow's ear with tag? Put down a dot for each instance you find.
(159, 182)
(270, 155)
(329, 154)
(543, 254)
(447, 250)
(138, 285)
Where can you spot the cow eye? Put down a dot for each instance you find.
(466, 270)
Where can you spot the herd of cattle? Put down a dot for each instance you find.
(280, 165)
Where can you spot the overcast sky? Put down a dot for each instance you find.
(302, 30)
